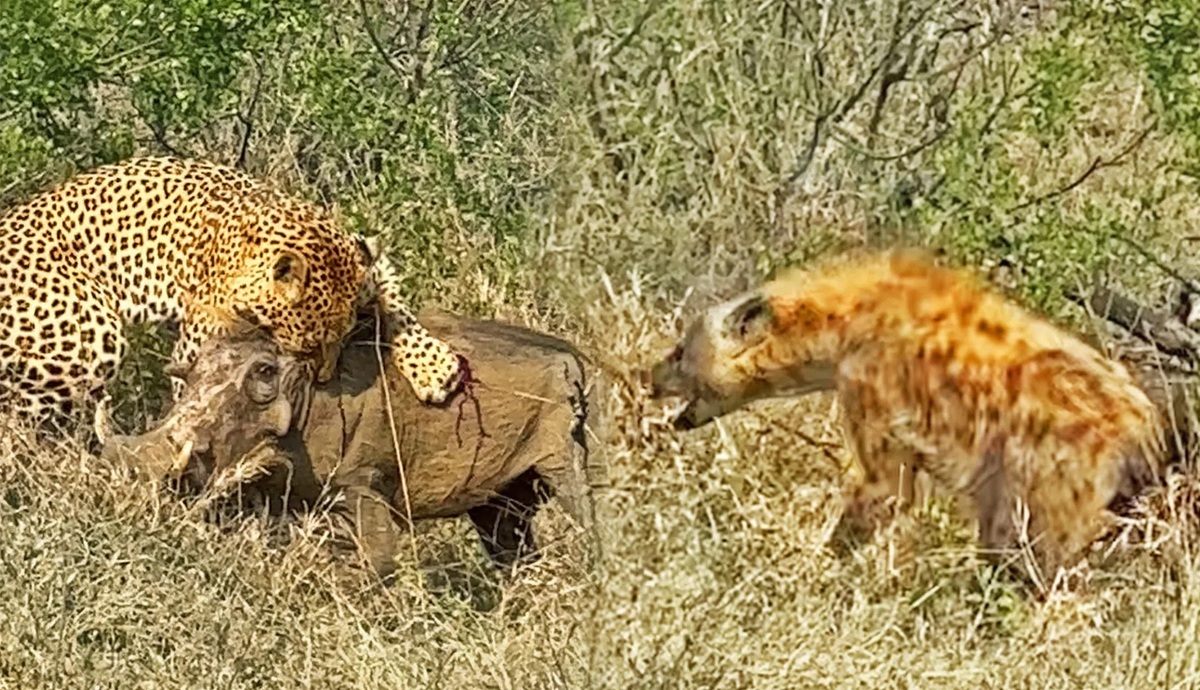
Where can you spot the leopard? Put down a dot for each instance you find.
(201, 247)
(1032, 432)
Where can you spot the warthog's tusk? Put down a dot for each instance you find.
(181, 460)
(102, 422)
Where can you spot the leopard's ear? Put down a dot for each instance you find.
(289, 275)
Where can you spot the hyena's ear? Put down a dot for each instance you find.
(290, 275)
(750, 321)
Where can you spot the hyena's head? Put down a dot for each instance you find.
(740, 351)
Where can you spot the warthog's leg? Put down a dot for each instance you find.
(566, 468)
(503, 523)
(373, 524)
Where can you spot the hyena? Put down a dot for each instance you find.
(1034, 431)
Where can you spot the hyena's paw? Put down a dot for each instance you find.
(864, 514)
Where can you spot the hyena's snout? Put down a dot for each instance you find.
(666, 376)
(668, 379)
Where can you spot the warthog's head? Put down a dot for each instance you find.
(241, 392)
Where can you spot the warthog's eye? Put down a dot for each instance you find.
(264, 371)
(261, 382)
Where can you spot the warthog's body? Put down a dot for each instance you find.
(524, 431)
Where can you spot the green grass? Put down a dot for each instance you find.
(601, 171)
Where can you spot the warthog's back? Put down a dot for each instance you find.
(530, 407)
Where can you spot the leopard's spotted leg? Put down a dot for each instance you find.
(431, 366)
(47, 379)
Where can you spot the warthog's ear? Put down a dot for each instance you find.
(290, 275)
(260, 380)
(749, 321)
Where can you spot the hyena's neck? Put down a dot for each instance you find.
(826, 322)
(898, 305)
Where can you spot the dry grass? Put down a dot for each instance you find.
(723, 576)
(110, 584)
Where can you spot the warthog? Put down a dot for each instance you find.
(523, 431)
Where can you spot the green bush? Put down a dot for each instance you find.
(423, 122)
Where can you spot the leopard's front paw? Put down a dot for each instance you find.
(435, 371)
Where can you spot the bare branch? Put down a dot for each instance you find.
(1164, 333)
(889, 70)
(505, 19)
(633, 31)
(159, 131)
(1006, 96)
(378, 44)
(970, 56)
(810, 150)
(1190, 284)
(898, 35)
(819, 53)
(890, 78)
(247, 120)
(1099, 163)
(418, 76)
(844, 139)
